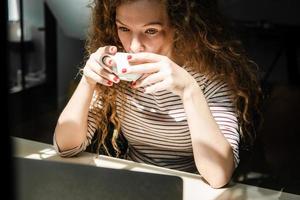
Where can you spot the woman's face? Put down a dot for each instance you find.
(143, 26)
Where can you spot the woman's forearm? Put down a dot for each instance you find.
(212, 152)
(71, 128)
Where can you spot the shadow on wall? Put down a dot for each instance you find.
(276, 152)
(280, 133)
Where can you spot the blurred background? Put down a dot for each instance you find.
(45, 48)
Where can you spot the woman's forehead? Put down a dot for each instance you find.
(142, 12)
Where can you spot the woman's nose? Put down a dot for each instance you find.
(136, 45)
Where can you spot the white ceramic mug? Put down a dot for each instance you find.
(121, 61)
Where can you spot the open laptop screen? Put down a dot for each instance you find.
(41, 180)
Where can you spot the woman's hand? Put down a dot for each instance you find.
(159, 73)
(98, 68)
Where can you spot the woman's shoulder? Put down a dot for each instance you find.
(200, 78)
(206, 82)
(211, 85)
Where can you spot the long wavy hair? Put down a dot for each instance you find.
(202, 39)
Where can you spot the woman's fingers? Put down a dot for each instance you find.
(147, 68)
(102, 57)
(100, 71)
(143, 63)
(154, 83)
(160, 86)
(149, 80)
(144, 57)
(107, 63)
(98, 68)
(96, 78)
(112, 50)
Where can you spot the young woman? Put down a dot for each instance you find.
(194, 100)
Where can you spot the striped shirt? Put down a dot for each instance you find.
(156, 128)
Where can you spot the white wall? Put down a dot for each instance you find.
(72, 16)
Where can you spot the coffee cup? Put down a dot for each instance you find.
(121, 61)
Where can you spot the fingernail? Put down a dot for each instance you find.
(112, 49)
(109, 62)
(116, 79)
(109, 82)
(124, 70)
(133, 84)
(129, 57)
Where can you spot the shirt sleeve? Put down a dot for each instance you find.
(91, 129)
(220, 102)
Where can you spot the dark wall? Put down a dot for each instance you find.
(6, 148)
(70, 52)
(277, 11)
(269, 30)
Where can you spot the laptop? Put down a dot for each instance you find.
(44, 179)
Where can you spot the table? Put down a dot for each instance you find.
(193, 185)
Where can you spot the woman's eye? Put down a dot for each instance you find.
(151, 31)
(123, 29)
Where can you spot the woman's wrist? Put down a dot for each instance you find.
(88, 83)
(190, 90)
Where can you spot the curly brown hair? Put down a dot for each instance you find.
(202, 39)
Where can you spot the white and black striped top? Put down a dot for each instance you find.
(156, 127)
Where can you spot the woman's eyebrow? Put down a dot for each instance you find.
(148, 24)
(154, 23)
(120, 22)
